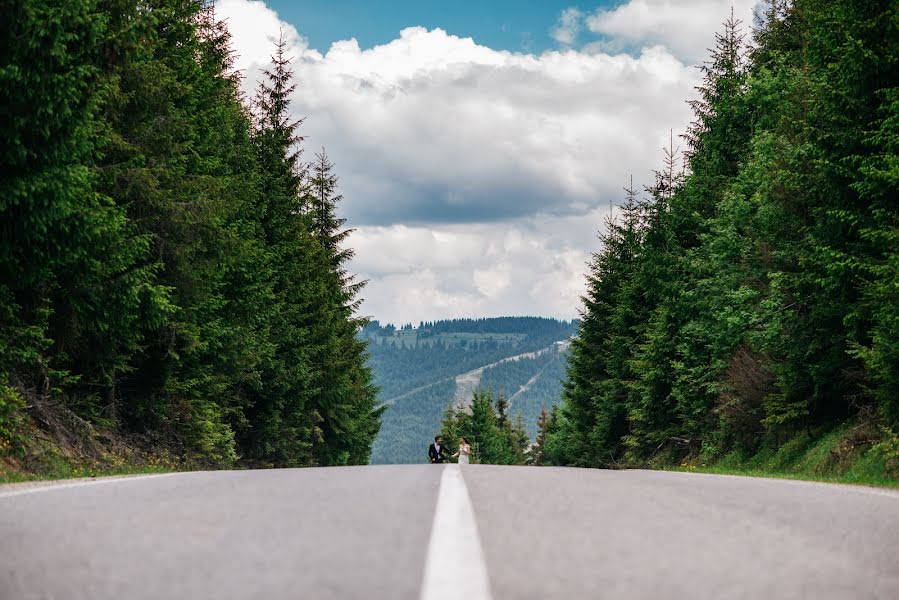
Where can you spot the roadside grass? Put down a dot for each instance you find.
(55, 466)
(78, 473)
(835, 457)
(45, 459)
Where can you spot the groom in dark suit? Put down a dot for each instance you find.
(437, 452)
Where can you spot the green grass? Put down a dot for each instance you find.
(806, 457)
(76, 472)
(46, 461)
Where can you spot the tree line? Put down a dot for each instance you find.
(543, 327)
(752, 293)
(496, 438)
(171, 267)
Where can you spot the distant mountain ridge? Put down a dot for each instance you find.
(422, 370)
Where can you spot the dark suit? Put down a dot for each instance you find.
(438, 457)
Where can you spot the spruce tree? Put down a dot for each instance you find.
(347, 403)
(538, 457)
(756, 295)
(160, 277)
(75, 290)
(189, 182)
(283, 420)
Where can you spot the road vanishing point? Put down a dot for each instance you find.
(427, 532)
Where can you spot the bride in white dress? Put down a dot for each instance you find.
(464, 451)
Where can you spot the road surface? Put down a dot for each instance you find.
(424, 532)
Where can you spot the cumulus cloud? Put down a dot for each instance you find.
(255, 28)
(435, 128)
(569, 25)
(531, 266)
(476, 178)
(686, 27)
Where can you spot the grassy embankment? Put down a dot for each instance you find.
(68, 471)
(41, 456)
(852, 453)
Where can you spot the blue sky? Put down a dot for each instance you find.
(515, 25)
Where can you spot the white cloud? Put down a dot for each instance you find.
(255, 28)
(531, 266)
(567, 28)
(686, 27)
(476, 178)
(435, 128)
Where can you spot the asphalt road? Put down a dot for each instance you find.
(500, 532)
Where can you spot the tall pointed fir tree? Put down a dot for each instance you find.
(599, 381)
(158, 271)
(710, 306)
(347, 399)
(538, 454)
(758, 291)
(284, 420)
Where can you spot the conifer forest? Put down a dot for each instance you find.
(172, 267)
(750, 296)
(175, 281)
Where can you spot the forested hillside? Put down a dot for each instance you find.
(528, 384)
(750, 298)
(172, 271)
(416, 370)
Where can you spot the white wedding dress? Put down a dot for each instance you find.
(463, 456)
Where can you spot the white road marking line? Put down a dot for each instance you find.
(65, 486)
(455, 566)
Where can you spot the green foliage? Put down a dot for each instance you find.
(834, 456)
(887, 451)
(160, 271)
(751, 300)
(494, 438)
(11, 421)
(347, 401)
(71, 293)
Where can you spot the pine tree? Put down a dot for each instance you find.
(877, 311)
(323, 199)
(348, 401)
(75, 291)
(755, 297)
(520, 442)
(189, 182)
(719, 131)
(451, 426)
(284, 423)
(538, 457)
(159, 272)
(599, 377)
(481, 429)
(553, 450)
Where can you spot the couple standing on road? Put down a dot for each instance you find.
(437, 451)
